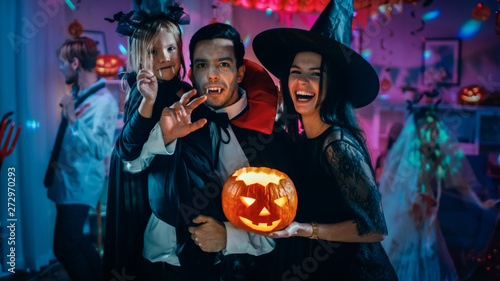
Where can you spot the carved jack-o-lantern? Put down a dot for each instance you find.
(260, 200)
(108, 65)
(472, 95)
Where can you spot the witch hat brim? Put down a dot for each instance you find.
(276, 49)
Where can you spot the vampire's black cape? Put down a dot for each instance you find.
(128, 208)
(178, 187)
(192, 166)
(262, 150)
(172, 187)
(183, 186)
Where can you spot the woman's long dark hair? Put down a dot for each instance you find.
(336, 109)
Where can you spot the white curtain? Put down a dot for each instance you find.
(30, 86)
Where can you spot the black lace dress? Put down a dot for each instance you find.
(336, 183)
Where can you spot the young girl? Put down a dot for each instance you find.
(156, 66)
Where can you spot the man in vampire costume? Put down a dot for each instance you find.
(240, 132)
(176, 181)
(75, 175)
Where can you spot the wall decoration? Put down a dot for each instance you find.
(100, 39)
(108, 65)
(472, 95)
(289, 6)
(75, 29)
(5, 149)
(441, 61)
(481, 12)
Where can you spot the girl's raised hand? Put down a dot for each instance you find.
(175, 121)
(147, 84)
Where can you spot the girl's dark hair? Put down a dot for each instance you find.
(336, 109)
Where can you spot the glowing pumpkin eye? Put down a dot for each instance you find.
(280, 201)
(247, 200)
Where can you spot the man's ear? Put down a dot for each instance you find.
(241, 73)
(75, 63)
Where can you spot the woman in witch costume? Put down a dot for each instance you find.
(339, 222)
(156, 66)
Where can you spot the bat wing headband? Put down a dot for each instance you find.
(129, 22)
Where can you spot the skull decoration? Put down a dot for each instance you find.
(259, 200)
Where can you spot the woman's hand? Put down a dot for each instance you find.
(147, 84)
(294, 229)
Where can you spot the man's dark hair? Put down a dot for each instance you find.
(83, 48)
(219, 30)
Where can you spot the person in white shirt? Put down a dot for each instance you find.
(76, 171)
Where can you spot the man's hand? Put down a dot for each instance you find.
(175, 122)
(210, 236)
(68, 108)
(147, 85)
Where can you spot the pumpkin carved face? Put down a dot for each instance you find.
(472, 95)
(259, 200)
(108, 65)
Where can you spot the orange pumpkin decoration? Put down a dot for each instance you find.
(472, 95)
(75, 29)
(481, 12)
(259, 200)
(108, 65)
(385, 85)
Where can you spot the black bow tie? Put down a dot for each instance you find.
(220, 119)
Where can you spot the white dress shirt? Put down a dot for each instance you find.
(80, 174)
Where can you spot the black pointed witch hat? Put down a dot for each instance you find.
(330, 36)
